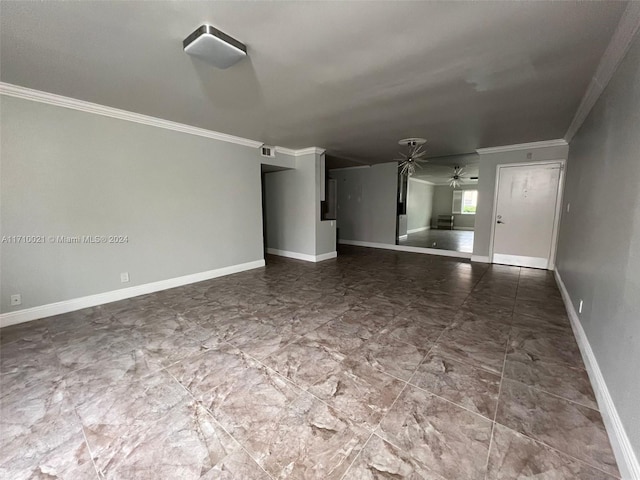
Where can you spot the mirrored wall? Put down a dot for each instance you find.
(435, 211)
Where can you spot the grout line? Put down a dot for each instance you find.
(297, 387)
(219, 424)
(557, 450)
(86, 441)
(451, 402)
(504, 361)
(379, 423)
(364, 445)
(555, 395)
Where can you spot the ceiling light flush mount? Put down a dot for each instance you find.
(214, 47)
(409, 161)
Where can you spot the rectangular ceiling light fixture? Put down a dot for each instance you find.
(214, 47)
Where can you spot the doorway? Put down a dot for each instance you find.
(526, 214)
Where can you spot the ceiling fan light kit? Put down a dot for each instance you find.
(457, 177)
(214, 47)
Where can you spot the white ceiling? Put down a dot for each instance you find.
(353, 77)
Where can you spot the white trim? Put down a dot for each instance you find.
(622, 449)
(302, 256)
(480, 259)
(285, 151)
(407, 248)
(403, 237)
(83, 106)
(421, 229)
(521, 261)
(559, 196)
(560, 142)
(350, 168)
(326, 256)
(427, 182)
(309, 151)
(89, 107)
(619, 44)
(468, 229)
(28, 314)
(302, 151)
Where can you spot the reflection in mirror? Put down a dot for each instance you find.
(440, 209)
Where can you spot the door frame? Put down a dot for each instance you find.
(558, 211)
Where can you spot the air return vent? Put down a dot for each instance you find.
(267, 151)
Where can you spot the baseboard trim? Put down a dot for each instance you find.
(466, 229)
(302, 256)
(403, 237)
(66, 306)
(407, 248)
(480, 259)
(625, 456)
(421, 229)
(326, 256)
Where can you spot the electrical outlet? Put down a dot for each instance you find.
(16, 299)
(580, 307)
(124, 277)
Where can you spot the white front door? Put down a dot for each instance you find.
(525, 214)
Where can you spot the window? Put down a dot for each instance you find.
(465, 202)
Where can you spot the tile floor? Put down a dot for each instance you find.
(456, 240)
(375, 365)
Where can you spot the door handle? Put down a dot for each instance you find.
(499, 221)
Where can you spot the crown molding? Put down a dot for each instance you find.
(628, 27)
(560, 142)
(83, 106)
(302, 151)
(285, 151)
(309, 151)
(350, 168)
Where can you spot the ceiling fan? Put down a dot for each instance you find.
(409, 161)
(458, 176)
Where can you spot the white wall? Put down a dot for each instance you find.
(599, 243)
(292, 201)
(367, 203)
(419, 204)
(487, 183)
(187, 204)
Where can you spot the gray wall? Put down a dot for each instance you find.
(292, 201)
(487, 184)
(443, 205)
(289, 202)
(367, 203)
(187, 204)
(599, 245)
(419, 204)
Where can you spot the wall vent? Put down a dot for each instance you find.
(267, 151)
